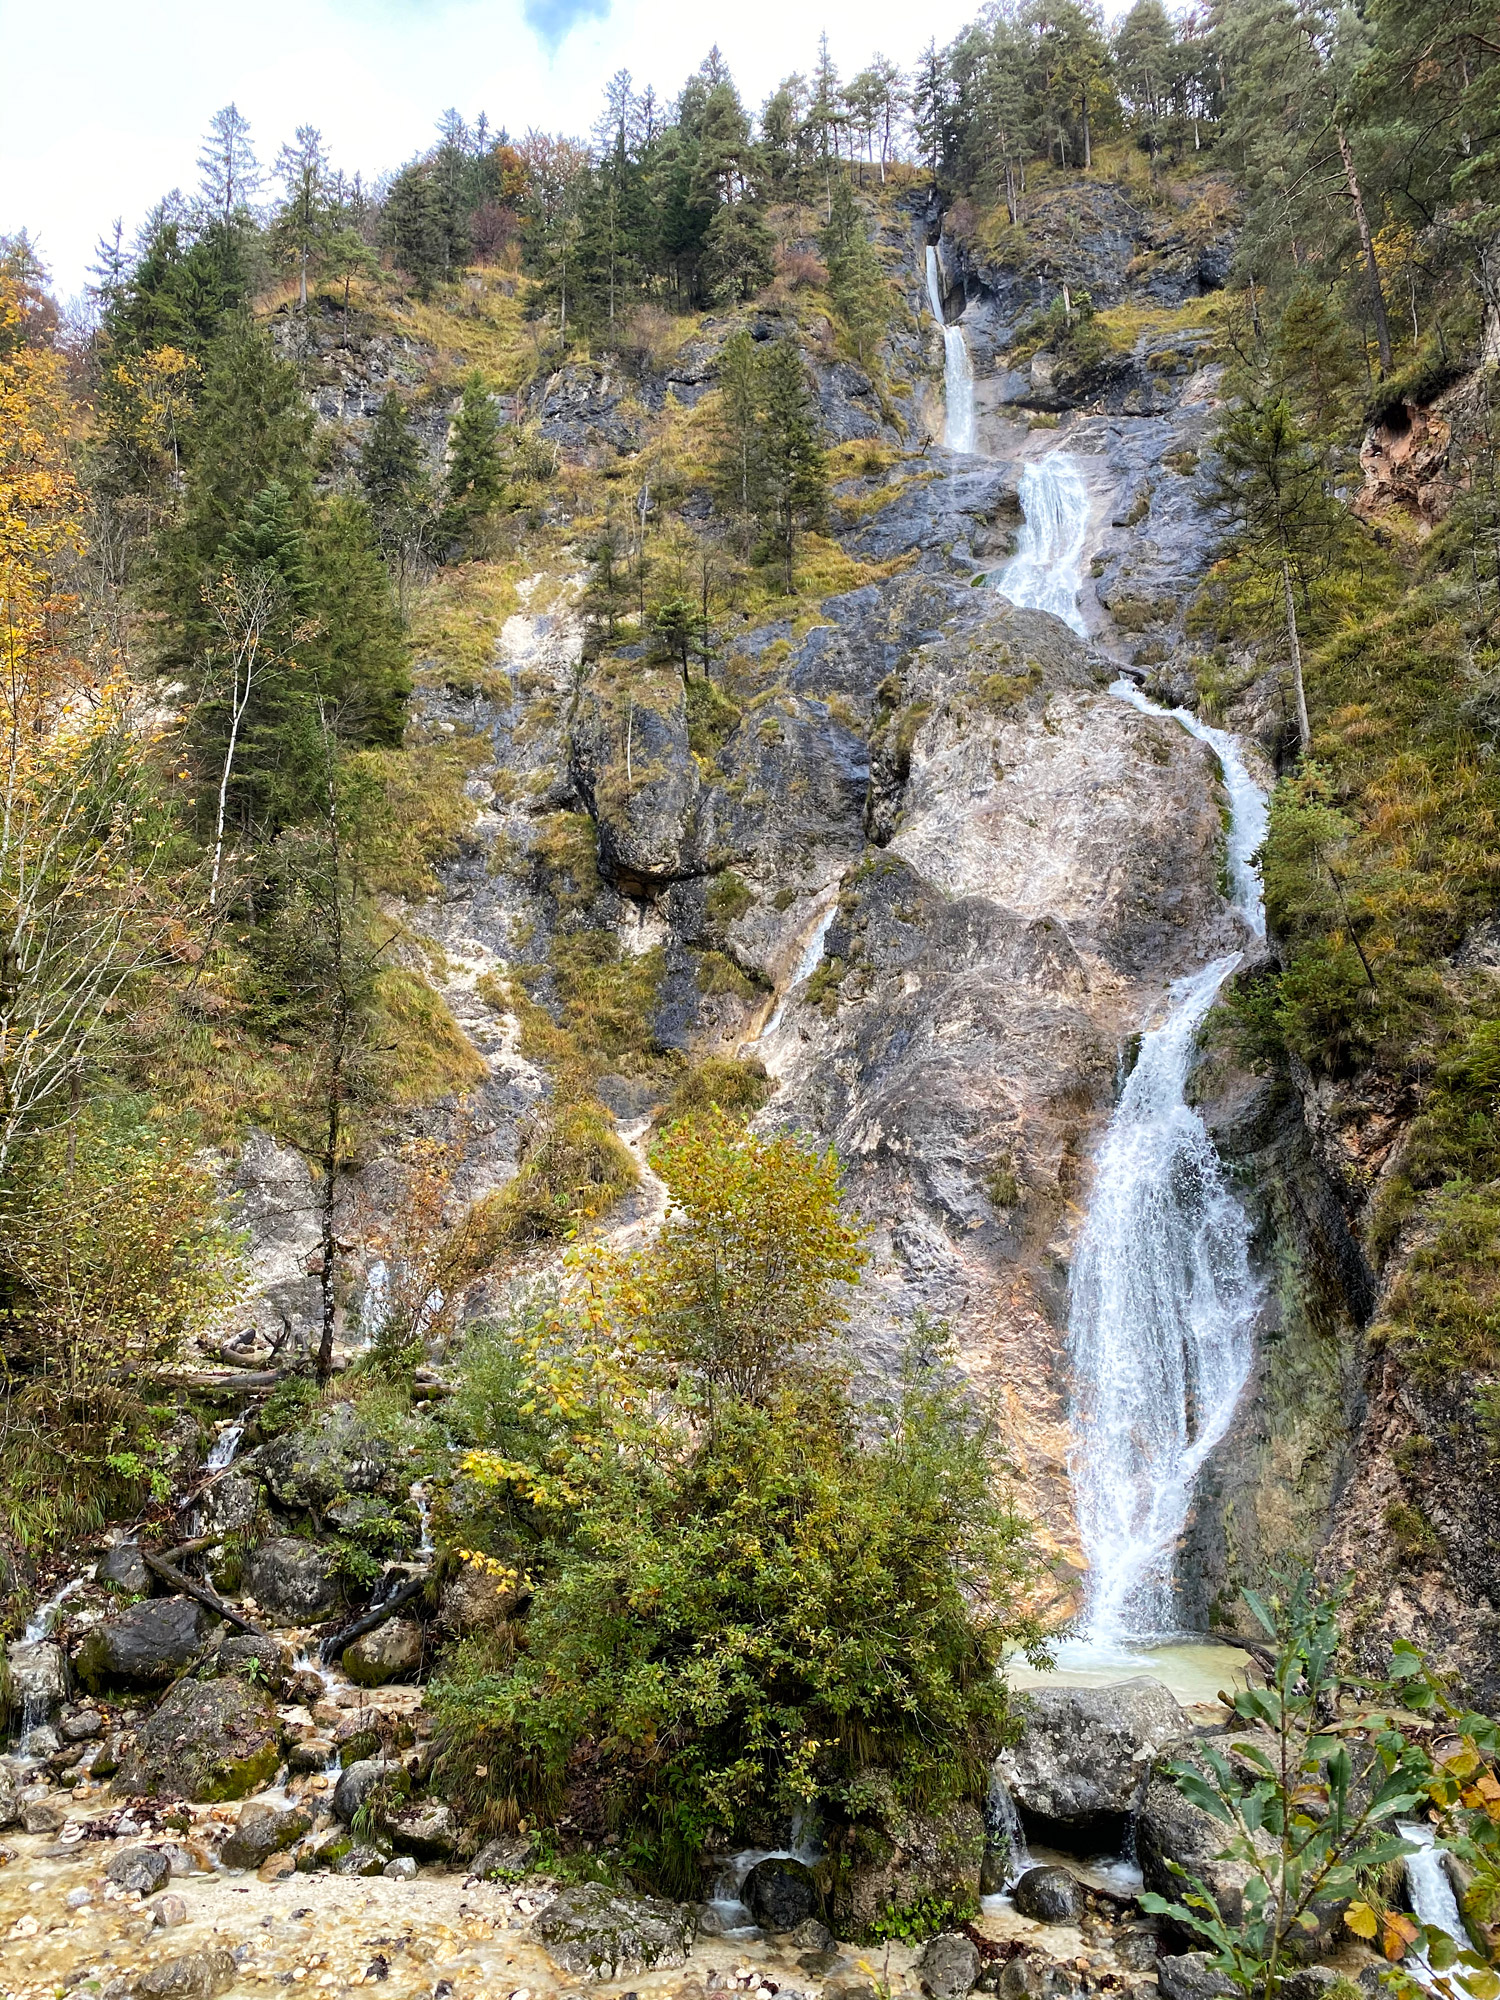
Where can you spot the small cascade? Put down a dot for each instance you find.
(959, 429)
(1046, 571)
(376, 1301)
(41, 1621)
(807, 964)
(426, 1548)
(1428, 1887)
(730, 1915)
(1005, 1834)
(1162, 1296)
(226, 1445)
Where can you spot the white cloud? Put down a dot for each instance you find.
(115, 99)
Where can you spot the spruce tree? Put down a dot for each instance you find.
(793, 470)
(476, 473)
(856, 279)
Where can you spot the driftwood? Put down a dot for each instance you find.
(188, 1548)
(203, 1594)
(337, 1641)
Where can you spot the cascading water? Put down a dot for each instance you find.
(1004, 1831)
(1427, 1885)
(1162, 1295)
(222, 1453)
(1046, 571)
(959, 430)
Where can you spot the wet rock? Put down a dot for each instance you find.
(38, 1676)
(197, 1975)
(361, 1861)
(402, 1869)
(313, 1753)
(594, 1932)
(49, 1815)
(360, 1779)
(81, 1725)
(1031, 1976)
(1084, 1754)
(144, 1869)
(232, 1504)
(122, 1569)
(1135, 1947)
(429, 1831)
(253, 1658)
(294, 1580)
(902, 1857)
(472, 1601)
(324, 1463)
(949, 1966)
(1171, 1829)
(147, 1644)
(1048, 1896)
(168, 1911)
(1191, 1976)
(262, 1830)
(780, 1894)
(206, 1740)
(392, 1652)
(812, 1934)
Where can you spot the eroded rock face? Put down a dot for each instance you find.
(143, 1646)
(594, 1932)
(318, 1465)
(1084, 1755)
(205, 1740)
(897, 1857)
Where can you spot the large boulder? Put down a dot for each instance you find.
(359, 1779)
(205, 1740)
(294, 1580)
(1084, 1755)
(1171, 1828)
(254, 1658)
(392, 1652)
(38, 1676)
(122, 1569)
(949, 1966)
(429, 1830)
(780, 1894)
(595, 1932)
(473, 1600)
(142, 1646)
(325, 1462)
(896, 1858)
(1191, 1976)
(1048, 1896)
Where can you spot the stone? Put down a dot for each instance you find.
(428, 1830)
(1031, 1976)
(38, 1676)
(313, 1753)
(509, 1856)
(359, 1779)
(402, 1869)
(144, 1869)
(949, 1966)
(320, 1464)
(253, 1658)
(294, 1580)
(206, 1740)
(360, 1861)
(595, 1932)
(232, 1504)
(392, 1652)
(276, 1868)
(1171, 1828)
(899, 1857)
(197, 1975)
(473, 1601)
(1135, 1947)
(143, 1646)
(1048, 1896)
(1191, 1976)
(44, 1815)
(262, 1830)
(168, 1911)
(812, 1934)
(81, 1726)
(122, 1569)
(780, 1894)
(1085, 1753)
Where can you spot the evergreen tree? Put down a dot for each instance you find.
(856, 278)
(229, 173)
(415, 229)
(476, 472)
(739, 254)
(302, 222)
(397, 490)
(1314, 366)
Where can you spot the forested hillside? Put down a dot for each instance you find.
(570, 944)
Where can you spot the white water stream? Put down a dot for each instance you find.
(1428, 1887)
(1162, 1296)
(959, 430)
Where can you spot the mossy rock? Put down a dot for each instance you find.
(208, 1741)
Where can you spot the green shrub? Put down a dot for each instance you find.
(718, 1083)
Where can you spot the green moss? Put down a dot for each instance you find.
(823, 988)
(573, 1168)
(729, 896)
(1414, 1537)
(1002, 1185)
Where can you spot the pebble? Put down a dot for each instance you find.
(169, 1910)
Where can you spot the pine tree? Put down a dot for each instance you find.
(415, 229)
(793, 480)
(739, 254)
(476, 472)
(229, 173)
(856, 278)
(302, 221)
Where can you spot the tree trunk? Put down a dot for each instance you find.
(1294, 641)
(1367, 245)
(1088, 144)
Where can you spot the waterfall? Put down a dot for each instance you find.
(1003, 1830)
(810, 958)
(226, 1444)
(958, 369)
(1428, 1887)
(1162, 1297)
(1046, 571)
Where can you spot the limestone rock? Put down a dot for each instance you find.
(360, 1779)
(594, 1932)
(472, 1601)
(502, 1857)
(1171, 1828)
(1048, 1896)
(360, 1861)
(429, 1830)
(949, 1966)
(168, 1911)
(1085, 1753)
(262, 1830)
(1032, 1976)
(81, 1725)
(320, 1464)
(900, 1857)
(1191, 1976)
(38, 1675)
(253, 1659)
(122, 1569)
(197, 1975)
(145, 1645)
(780, 1894)
(294, 1580)
(144, 1869)
(392, 1652)
(205, 1740)
(45, 1815)
(402, 1869)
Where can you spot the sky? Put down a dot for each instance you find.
(108, 103)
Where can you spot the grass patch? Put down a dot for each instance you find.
(718, 1083)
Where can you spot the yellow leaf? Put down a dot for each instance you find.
(1361, 1920)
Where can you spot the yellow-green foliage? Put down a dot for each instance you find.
(566, 848)
(572, 1169)
(729, 896)
(457, 620)
(424, 1054)
(718, 973)
(478, 323)
(415, 813)
(736, 1088)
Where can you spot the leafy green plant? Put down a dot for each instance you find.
(923, 1918)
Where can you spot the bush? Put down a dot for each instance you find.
(718, 1084)
(740, 1599)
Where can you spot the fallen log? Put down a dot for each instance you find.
(203, 1594)
(370, 1620)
